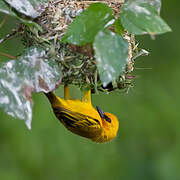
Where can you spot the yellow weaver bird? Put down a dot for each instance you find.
(80, 117)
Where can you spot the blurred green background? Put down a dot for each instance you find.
(148, 143)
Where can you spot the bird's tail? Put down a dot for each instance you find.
(51, 97)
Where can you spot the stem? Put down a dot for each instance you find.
(7, 55)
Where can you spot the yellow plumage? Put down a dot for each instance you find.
(80, 117)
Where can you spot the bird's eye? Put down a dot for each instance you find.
(107, 118)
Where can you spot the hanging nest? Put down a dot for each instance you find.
(77, 63)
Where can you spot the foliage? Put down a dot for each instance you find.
(111, 61)
(99, 25)
(141, 18)
(32, 72)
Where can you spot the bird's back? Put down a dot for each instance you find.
(77, 116)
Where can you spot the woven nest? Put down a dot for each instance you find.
(77, 63)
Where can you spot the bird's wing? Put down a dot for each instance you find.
(78, 123)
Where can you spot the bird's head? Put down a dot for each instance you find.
(110, 125)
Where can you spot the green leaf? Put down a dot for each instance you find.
(5, 9)
(111, 52)
(85, 26)
(155, 3)
(142, 18)
(32, 72)
(26, 7)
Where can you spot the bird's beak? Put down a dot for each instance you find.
(100, 111)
